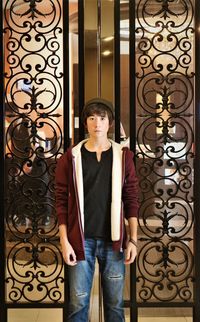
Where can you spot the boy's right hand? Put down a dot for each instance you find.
(69, 255)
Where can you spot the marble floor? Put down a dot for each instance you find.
(55, 315)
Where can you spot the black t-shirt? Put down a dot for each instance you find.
(97, 193)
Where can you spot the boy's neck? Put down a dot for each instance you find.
(100, 145)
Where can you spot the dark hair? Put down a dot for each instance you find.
(98, 106)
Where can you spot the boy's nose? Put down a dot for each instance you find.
(97, 121)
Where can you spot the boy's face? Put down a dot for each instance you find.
(98, 125)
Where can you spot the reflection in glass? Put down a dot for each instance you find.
(107, 50)
(124, 64)
(73, 71)
(99, 58)
(91, 36)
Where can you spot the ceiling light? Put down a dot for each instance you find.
(108, 38)
(106, 53)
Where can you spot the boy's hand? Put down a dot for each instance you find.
(69, 255)
(130, 253)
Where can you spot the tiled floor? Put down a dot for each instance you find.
(166, 319)
(55, 315)
(35, 315)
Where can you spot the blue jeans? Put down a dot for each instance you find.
(112, 270)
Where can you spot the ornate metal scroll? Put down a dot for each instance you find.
(33, 88)
(165, 118)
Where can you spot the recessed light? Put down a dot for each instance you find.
(108, 38)
(106, 53)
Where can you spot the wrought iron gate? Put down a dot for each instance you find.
(165, 137)
(153, 49)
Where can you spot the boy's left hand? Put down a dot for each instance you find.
(130, 253)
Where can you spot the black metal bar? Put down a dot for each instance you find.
(196, 317)
(117, 68)
(132, 89)
(99, 78)
(66, 116)
(66, 290)
(3, 309)
(66, 111)
(132, 113)
(81, 58)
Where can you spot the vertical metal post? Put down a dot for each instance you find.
(99, 47)
(66, 123)
(196, 317)
(132, 91)
(117, 68)
(100, 294)
(66, 117)
(81, 72)
(3, 310)
(132, 74)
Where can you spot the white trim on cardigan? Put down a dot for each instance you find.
(76, 154)
(116, 191)
(116, 185)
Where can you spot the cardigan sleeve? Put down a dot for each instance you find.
(61, 190)
(130, 187)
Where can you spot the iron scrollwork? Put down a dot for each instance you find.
(33, 87)
(165, 112)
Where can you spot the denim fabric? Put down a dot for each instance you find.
(112, 269)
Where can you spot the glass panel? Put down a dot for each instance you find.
(73, 71)
(124, 64)
(107, 50)
(99, 34)
(92, 36)
(106, 54)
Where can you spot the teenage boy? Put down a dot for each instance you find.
(96, 189)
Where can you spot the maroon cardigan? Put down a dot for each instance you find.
(67, 204)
